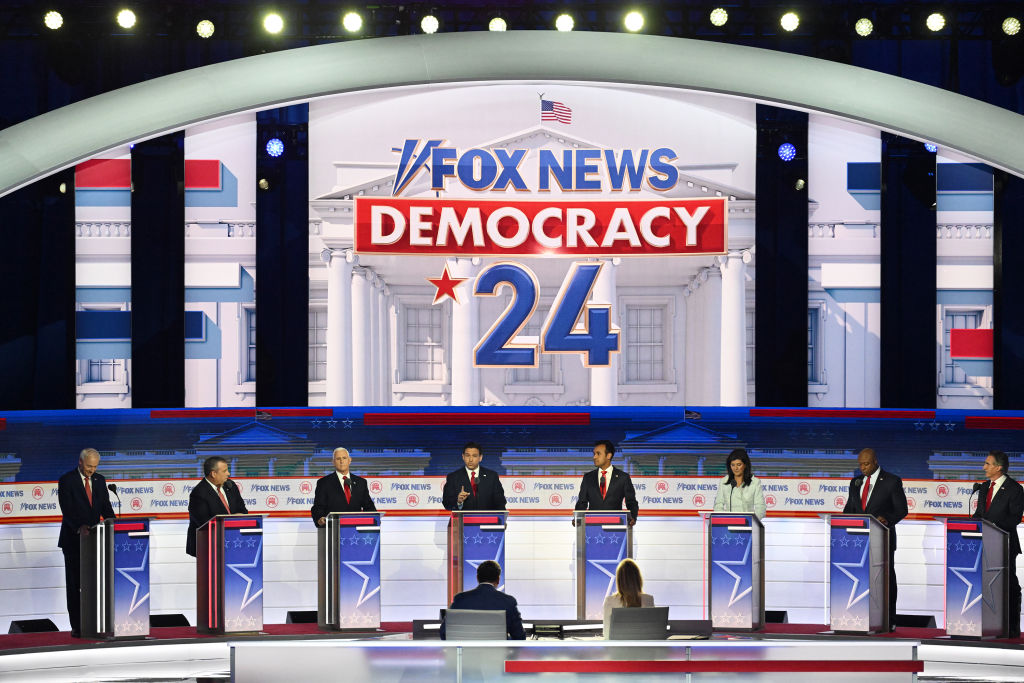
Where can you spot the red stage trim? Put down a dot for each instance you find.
(481, 520)
(848, 522)
(714, 666)
(129, 526)
(428, 419)
(961, 526)
(853, 414)
(970, 344)
(3, 423)
(992, 422)
(356, 521)
(604, 520)
(242, 412)
(727, 521)
(241, 524)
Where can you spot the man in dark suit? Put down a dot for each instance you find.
(877, 492)
(215, 495)
(1001, 501)
(84, 502)
(473, 487)
(607, 487)
(487, 596)
(340, 491)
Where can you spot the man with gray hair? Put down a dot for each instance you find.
(1001, 501)
(340, 491)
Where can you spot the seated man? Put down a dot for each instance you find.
(487, 596)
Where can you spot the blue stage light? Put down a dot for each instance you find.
(787, 152)
(931, 147)
(275, 147)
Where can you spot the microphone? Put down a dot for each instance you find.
(113, 489)
(228, 484)
(977, 487)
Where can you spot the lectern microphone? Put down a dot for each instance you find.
(113, 489)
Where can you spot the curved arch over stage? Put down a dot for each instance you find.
(33, 149)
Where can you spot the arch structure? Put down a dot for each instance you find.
(40, 146)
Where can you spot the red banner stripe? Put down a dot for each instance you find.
(495, 419)
(241, 412)
(3, 423)
(713, 666)
(962, 526)
(992, 422)
(839, 521)
(130, 526)
(481, 520)
(604, 520)
(727, 521)
(241, 524)
(356, 521)
(202, 174)
(116, 174)
(973, 344)
(853, 414)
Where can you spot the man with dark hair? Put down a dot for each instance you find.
(215, 495)
(340, 491)
(877, 492)
(473, 487)
(487, 596)
(607, 487)
(84, 502)
(1001, 501)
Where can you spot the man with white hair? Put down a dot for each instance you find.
(340, 491)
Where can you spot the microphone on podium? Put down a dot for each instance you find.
(977, 487)
(113, 489)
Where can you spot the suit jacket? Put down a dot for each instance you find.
(75, 507)
(887, 499)
(486, 596)
(204, 504)
(330, 496)
(490, 495)
(1005, 511)
(620, 489)
(749, 498)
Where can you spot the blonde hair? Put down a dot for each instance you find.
(628, 583)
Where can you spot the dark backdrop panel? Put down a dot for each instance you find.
(158, 272)
(1008, 292)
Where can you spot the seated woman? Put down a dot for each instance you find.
(629, 586)
(740, 490)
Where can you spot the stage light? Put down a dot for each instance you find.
(787, 152)
(789, 21)
(1011, 26)
(54, 20)
(935, 22)
(204, 28)
(864, 27)
(497, 24)
(275, 147)
(719, 16)
(352, 21)
(633, 21)
(429, 24)
(126, 18)
(263, 184)
(565, 22)
(931, 147)
(273, 23)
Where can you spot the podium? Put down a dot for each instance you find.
(858, 574)
(474, 536)
(348, 571)
(735, 571)
(115, 580)
(977, 584)
(229, 575)
(603, 539)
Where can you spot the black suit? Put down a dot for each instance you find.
(204, 504)
(1005, 512)
(885, 499)
(330, 496)
(619, 489)
(489, 495)
(78, 512)
(486, 596)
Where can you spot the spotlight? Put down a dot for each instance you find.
(633, 21)
(273, 23)
(1011, 26)
(864, 27)
(497, 24)
(263, 184)
(787, 152)
(352, 21)
(931, 147)
(62, 188)
(275, 147)
(719, 16)
(565, 22)
(204, 28)
(53, 21)
(429, 24)
(935, 21)
(126, 18)
(800, 184)
(789, 21)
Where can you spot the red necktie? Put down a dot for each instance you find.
(472, 482)
(988, 499)
(88, 490)
(864, 493)
(223, 500)
(604, 485)
(348, 491)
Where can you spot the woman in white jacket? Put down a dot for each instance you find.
(740, 490)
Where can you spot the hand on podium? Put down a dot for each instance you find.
(83, 530)
(321, 521)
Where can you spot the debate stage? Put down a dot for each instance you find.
(782, 652)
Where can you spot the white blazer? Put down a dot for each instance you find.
(749, 498)
(613, 601)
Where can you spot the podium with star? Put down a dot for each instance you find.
(473, 537)
(858, 574)
(603, 539)
(115, 580)
(348, 571)
(977, 583)
(229, 575)
(736, 571)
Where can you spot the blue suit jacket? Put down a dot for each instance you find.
(486, 596)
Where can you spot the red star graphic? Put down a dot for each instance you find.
(446, 285)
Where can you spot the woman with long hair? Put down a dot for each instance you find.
(629, 591)
(740, 490)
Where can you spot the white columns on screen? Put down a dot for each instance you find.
(733, 366)
(383, 346)
(465, 390)
(339, 325)
(373, 348)
(604, 381)
(361, 332)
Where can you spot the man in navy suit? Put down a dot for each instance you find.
(473, 487)
(607, 487)
(215, 495)
(487, 596)
(84, 502)
(340, 491)
(1001, 501)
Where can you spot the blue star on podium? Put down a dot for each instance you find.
(354, 565)
(724, 565)
(127, 573)
(842, 566)
(248, 596)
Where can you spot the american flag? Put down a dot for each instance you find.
(555, 111)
